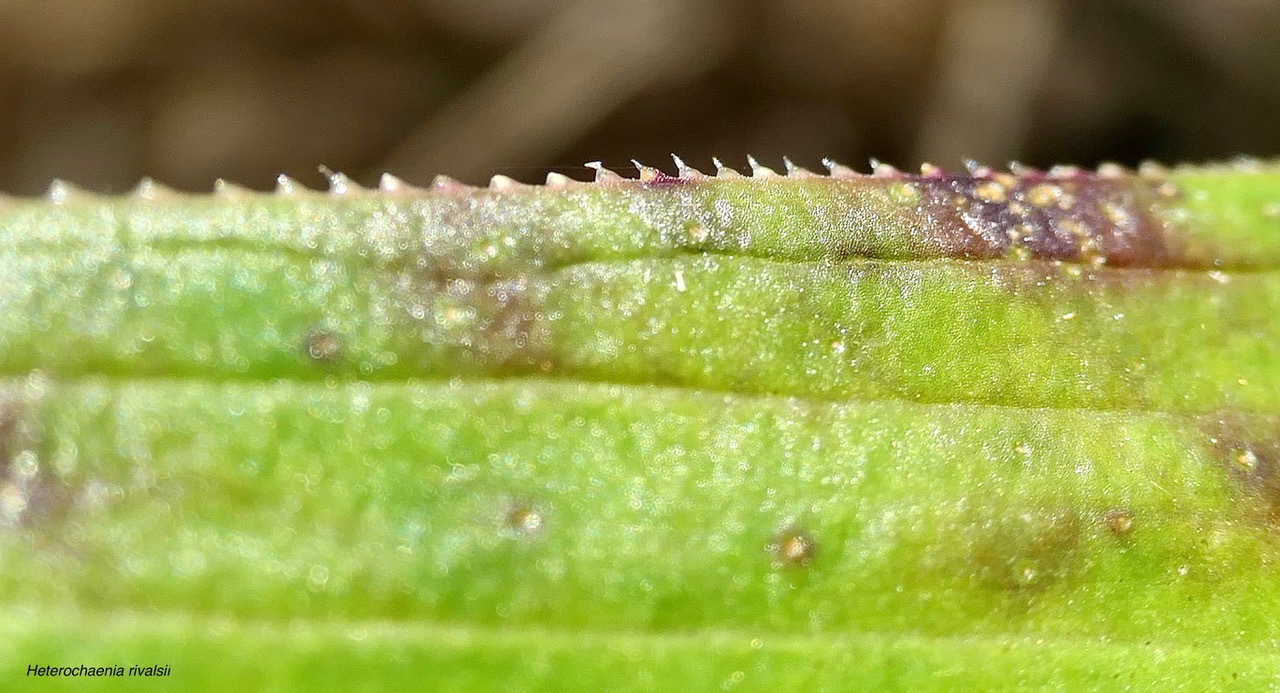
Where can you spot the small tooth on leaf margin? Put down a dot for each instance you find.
(339, 183)
(1064, 171)
(150, 191)
(796, 171)
(978, 170)
(286, 186)
(558, 180)
(444, 183)
(1247, 164)
(723, 171)
(227, 190)
(1110, 169)
(602, 174)
(391, 184)
(501, 182)
(60, 191)
(1018, 168)
(883, 170)
(647, 173)
(684, 170)
(759, 170)
(838, 170)
(1153, 170)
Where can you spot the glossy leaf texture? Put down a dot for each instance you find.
(798, 431)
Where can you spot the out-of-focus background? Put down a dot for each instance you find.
(102, 92)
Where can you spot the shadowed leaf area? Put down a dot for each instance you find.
(687, 432)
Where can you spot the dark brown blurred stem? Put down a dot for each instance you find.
(577, 69)
(991, 63)
(1226, 32)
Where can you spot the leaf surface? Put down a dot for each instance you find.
(866, 432)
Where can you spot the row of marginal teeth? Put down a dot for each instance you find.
(878, 169)
(339, 184)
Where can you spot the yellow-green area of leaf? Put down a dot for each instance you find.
(689, 432)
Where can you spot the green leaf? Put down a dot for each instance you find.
(797, 432)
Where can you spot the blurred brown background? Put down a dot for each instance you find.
(102, 92)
